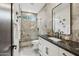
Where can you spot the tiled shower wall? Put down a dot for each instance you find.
(28, 30)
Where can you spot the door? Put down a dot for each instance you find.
(5, 29)
(16, 28)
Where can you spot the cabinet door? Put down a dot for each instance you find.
(42, 47)
(63, 52)
(46, 46)
(50, 49)
(53, 50)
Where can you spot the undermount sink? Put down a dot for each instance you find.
(54, 39)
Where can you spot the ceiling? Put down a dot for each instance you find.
(32, 7)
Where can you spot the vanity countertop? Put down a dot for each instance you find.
(72, 47)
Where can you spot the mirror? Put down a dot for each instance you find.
(61, 18)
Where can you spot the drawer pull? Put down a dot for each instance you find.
(64, 54)
(46, 50)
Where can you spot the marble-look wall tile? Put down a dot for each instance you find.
(45, 19)
(75, 22)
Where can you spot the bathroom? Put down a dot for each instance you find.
(36, 29)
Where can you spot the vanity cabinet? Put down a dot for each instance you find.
(53, 50)
(48, 49)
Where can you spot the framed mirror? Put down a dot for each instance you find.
(62, 18)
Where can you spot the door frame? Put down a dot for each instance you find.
(11, 29)
(13, 45)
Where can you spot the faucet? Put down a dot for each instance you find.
(60, 34)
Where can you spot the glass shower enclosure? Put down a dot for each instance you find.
(29, 30)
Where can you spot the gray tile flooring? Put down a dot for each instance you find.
(28, 51)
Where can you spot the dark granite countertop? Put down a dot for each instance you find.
(72, 47)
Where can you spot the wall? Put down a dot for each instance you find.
(75, 22)
(45, 18)
(16, 28)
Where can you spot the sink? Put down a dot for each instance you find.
(54, 39)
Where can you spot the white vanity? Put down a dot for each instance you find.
(47, 48)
